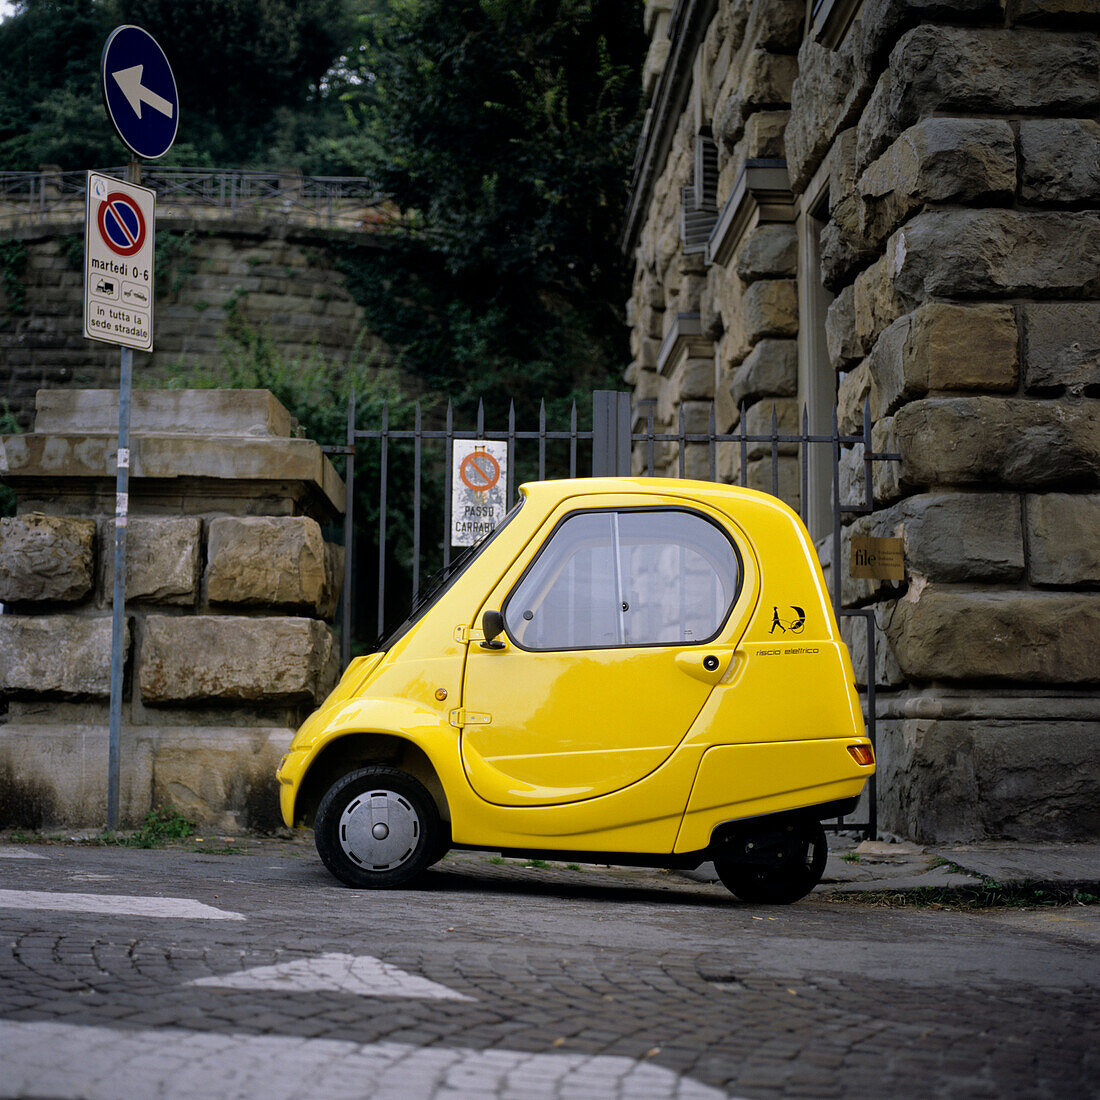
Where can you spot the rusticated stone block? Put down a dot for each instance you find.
(944, 632)
(999, 440)
(843, 251)
(939, 68)
(274, 560)
(854, 632)
(840, 330)
(995, 254)
(58, 655)
(766, 80)
(882, 22)
(334, 575)
(776, 25)
(771, 370)
(945, 160)
(877, 303)
(1059, 160)
(826, 97)
(46, 558)
(770, 308)
(949, 537)
(758, 473)
(1063, 544)
(228, 658)
(763, 136)
(162, 559)
(1055, 12)
(1061, 344)
(759, 421)
(944, 347)
(769, 252)
(844, 245)
(958, 780)
(851, 395)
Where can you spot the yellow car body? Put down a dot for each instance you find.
(643, 742)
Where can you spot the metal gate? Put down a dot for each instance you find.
(560, 452)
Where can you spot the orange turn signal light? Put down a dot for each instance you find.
(862, 754)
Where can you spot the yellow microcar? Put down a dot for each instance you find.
(628, 670)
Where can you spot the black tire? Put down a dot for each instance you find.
(377, 828)
(793, 877)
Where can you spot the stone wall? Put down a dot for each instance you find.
(276, 276)
(230, 590)
(935, 254)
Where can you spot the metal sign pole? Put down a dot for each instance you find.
(118, 600)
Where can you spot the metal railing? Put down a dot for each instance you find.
(346, 202)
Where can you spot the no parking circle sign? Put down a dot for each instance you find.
(121, 223)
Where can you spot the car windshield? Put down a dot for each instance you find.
(441, 580)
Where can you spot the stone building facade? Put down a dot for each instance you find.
(231, 588)
(897, 202)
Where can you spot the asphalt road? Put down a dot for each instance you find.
(127, 973)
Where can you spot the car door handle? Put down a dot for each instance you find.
(707, 664)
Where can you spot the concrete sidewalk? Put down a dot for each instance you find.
(874, 866)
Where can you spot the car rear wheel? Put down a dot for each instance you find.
(796, 869)
(377, 827)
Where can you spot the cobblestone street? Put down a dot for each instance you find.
(128, 973)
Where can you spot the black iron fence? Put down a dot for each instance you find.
(606, 448)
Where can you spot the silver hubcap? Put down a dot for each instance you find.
(379, 830)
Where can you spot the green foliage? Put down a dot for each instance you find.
(239, 65)
(465, 347)
(8, 426)
(511, 125)
(50, 107)
(13, 263)
(173, 260)
(158, 828)
(508, 127)
(72, 251)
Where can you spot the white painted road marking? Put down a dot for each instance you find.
(115, 904)
(19, 853)
(334, 973)
(67, 1060)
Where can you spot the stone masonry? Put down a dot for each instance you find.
(275, 277)
(230, 590)
(896, 203)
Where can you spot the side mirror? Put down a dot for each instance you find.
(492, 626)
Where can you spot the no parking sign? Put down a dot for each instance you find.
(118, 263)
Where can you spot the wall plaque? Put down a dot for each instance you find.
(877, 559)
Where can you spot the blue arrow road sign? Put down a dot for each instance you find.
(140, 92)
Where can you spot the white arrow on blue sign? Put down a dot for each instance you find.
(139, 91)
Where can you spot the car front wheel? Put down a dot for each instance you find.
(377, 827)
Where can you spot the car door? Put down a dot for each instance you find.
(613, 641)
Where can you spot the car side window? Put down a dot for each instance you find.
(634, 577)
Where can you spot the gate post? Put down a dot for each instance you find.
(610, 433)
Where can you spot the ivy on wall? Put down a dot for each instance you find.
(13, 266)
